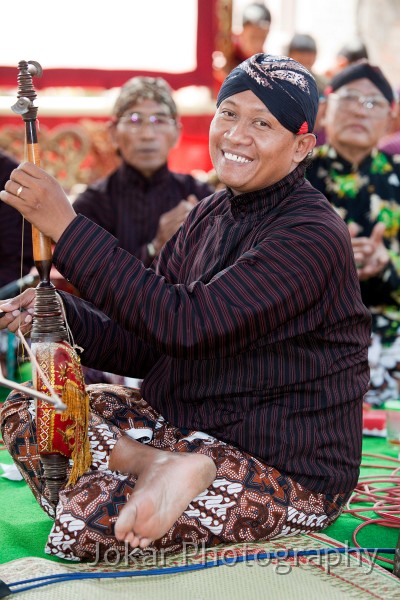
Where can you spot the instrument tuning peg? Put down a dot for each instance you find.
(21, 106)
(34, 68)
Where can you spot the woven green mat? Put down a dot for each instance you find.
(23, 373)
(372, 535)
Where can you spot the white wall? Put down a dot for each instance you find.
(122, 34)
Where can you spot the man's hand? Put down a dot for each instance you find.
(370, 253)
(170, 221)
(17, 312)
(40, 199)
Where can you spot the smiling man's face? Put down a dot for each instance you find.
(249, 147)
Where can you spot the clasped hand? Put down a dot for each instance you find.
(170, 221)
(370, 253)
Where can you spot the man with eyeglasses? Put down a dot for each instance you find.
(142, 203)
(363, 185)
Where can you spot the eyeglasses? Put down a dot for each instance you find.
(137, 121)
(376, 106)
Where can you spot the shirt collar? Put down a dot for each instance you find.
(333, 155)
(266, 198)
(136, 176)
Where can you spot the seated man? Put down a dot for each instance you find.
(142, 203)
(348, 54)
(251, 341)
(256, 23)
(363, 185)
(303, 48)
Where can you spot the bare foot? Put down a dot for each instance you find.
(167, 483)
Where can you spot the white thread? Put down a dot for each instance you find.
(67, 327)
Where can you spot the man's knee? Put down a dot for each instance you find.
(16, 408)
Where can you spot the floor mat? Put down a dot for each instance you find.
(329, 577)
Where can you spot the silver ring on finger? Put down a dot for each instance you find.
(19, 190)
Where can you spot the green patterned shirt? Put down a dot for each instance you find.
(366, 194)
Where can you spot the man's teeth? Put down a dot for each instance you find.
(236, 158)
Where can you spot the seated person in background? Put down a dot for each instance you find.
(256, 23)
(303, 48)
(15, 236)
(348, 54)
(363, 185)
(142, 203)
(250, 334)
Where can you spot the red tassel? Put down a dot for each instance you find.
(303, 128)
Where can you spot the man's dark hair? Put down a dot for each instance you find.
(256, 13)
(354, 51)
(302, 42)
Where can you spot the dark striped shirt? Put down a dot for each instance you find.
(129, 205)
(252, 327)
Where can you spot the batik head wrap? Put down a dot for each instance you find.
(287, 89)
(143, 88)
(362, 70)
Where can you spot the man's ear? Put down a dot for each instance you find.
(178, 132)
(320, 120)
(395, 109)
(305, 145)
(111, 126)
(393, 120)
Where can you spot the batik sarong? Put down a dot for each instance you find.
(248, 500)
